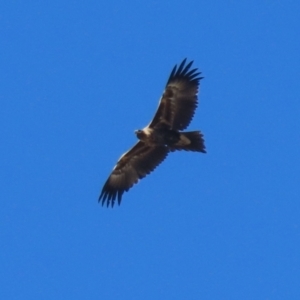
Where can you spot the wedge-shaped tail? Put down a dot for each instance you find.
(190, 141)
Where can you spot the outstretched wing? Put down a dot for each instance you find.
(132, 166)
(179, 100)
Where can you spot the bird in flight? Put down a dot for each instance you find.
(164, 134)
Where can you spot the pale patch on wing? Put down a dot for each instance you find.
(163, 114)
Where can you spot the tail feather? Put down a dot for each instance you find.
(190, 141)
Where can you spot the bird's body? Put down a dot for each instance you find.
(164, 134)
(158, 136)
(173, 139)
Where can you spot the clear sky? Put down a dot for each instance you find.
(77, 78)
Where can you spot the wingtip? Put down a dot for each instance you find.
(109, 198)
(183, 70)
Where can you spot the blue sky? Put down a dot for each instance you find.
(77, 78)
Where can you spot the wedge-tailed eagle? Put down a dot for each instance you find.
(163, 135)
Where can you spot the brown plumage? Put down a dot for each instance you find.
(175, 112)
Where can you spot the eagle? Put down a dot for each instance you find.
(163, 135)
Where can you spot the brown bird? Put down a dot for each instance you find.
(164, 134)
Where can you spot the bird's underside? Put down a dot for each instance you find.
(164, 134)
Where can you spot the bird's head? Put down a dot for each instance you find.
(139, 133)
